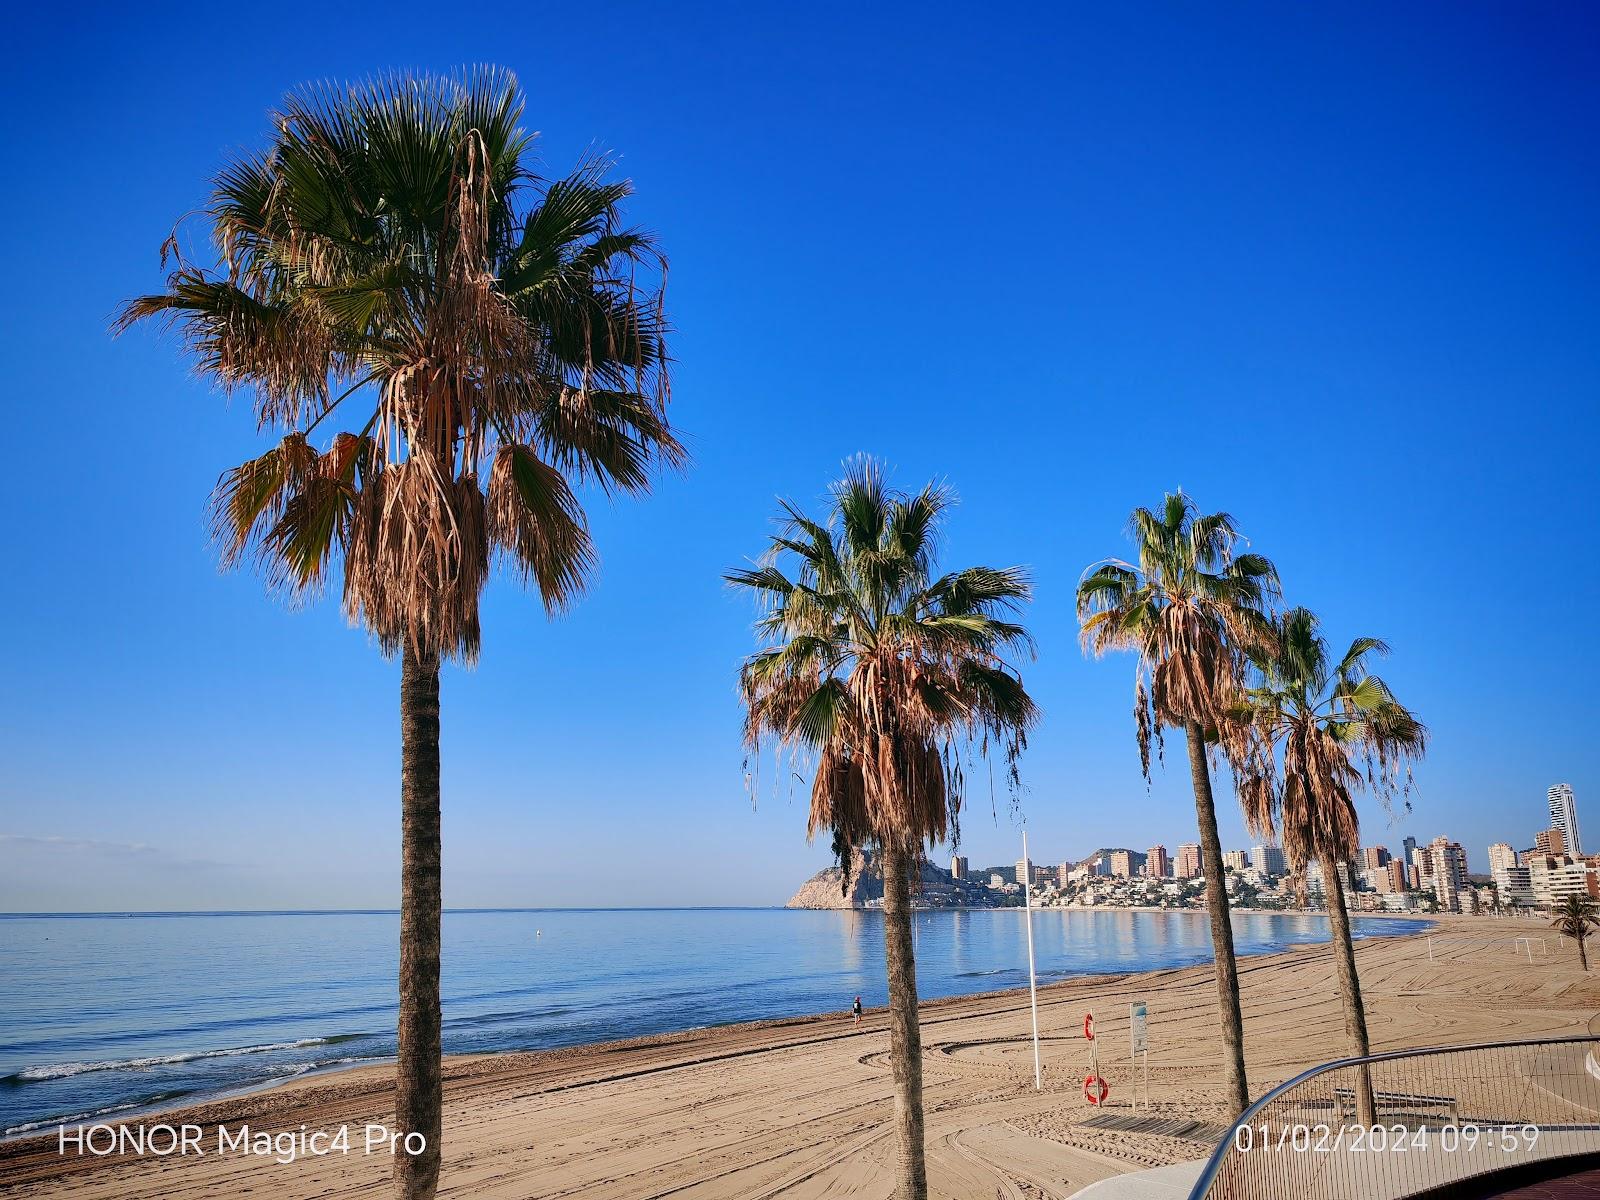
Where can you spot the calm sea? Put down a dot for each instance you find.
(110, 1014)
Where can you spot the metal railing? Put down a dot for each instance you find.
(1438, 1117)
(1591, 1061)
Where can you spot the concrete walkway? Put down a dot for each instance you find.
(1160, 1183)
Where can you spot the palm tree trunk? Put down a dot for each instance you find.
(1235, 1088)
(905, 1036)
(419, 1073)
(1355, 1016)
(1583, 955)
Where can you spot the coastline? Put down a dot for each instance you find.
(286, 1042)
(744, 1104)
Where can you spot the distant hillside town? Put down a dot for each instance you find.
(1429, 877)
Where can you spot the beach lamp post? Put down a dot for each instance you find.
(1033, 987)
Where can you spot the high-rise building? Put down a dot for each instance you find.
(1551, 843)
(958, 866)
(1268, 860)
(1409, 846)
(1564, 816)
(1024, 872)
(1501, 856)
(1122, 864)
(1449, 872)
(1235, 860)
(1187, 865)
(1399, 876)
(1375, 857)
(1064, 874)
(1156, 863)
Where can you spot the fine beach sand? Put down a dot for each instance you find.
(802, 1109)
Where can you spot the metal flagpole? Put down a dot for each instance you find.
(1033, 988)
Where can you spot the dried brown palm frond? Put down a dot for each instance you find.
(1317, 814)
(417, 558)
(279, 348)
(839, 798)
(252, 496)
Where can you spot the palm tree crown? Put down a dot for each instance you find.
(1189, 607)
(887, 673)
(392, 249)
(1575, 917)
(1320, 730)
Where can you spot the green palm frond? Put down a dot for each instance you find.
(817, 718)
(981, 590)
(1353, 662)
(535, 519)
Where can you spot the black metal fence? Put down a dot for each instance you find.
(1436, 1117)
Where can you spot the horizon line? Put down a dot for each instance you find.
(374, 912)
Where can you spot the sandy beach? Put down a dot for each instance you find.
(801, 1108)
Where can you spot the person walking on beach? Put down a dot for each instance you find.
(856, 1008)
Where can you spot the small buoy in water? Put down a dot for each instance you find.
(538, 933)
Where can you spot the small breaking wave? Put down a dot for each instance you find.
(66, 1070)
(150, 1100)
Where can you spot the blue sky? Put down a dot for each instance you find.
(1332, 270)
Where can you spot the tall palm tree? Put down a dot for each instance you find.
(492, 338)
(1576, 918)
(1189, 607)
(1316, 732)
(890, 676)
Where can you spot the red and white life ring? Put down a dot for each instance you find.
(1088, 1026)
(1095, 1089)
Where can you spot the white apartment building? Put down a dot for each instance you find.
(1268, 859)
(1551, 883)
(1515, 885)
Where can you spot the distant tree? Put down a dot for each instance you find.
(1315, 732)
(1576, 918)
(1189, 607)
(890, 674)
